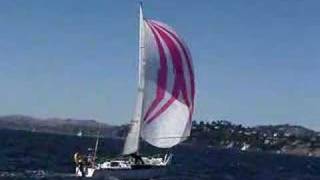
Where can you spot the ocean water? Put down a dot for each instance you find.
(25, 155)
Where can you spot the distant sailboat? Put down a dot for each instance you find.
(79, 134)
(165, 102)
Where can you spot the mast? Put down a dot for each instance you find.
(132, 142)
(96, 146)
(141, 47)
(141, 68)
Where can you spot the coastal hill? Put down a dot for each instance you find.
(287, 139)
(59, 126)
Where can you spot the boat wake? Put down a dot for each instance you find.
(35, 174)
(41, 174)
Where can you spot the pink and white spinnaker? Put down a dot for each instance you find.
(169, 87)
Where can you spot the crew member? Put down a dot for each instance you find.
(137, 158)
(79, 161)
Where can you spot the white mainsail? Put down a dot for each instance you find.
(166, 92)
(132, 142)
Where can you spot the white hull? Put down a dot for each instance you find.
(143, 173)
(125, 169)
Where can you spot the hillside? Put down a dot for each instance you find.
(288, 139)
(59, 126)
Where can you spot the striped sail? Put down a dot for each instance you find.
(169, 87)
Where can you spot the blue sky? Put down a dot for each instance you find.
(256, 62)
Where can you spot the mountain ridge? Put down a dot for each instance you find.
(87, 127)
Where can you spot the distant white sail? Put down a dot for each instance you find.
(169, 87)
(79, 133)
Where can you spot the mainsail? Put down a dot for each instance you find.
(166, 88)
(132, 142)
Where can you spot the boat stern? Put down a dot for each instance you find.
(88, 172)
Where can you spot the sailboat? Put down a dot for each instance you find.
(164, 106)
(79, 134)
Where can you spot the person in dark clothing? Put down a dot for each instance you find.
(78, 159)
(137, 158)
(81, 167)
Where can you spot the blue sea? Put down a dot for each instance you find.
(26, 155)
